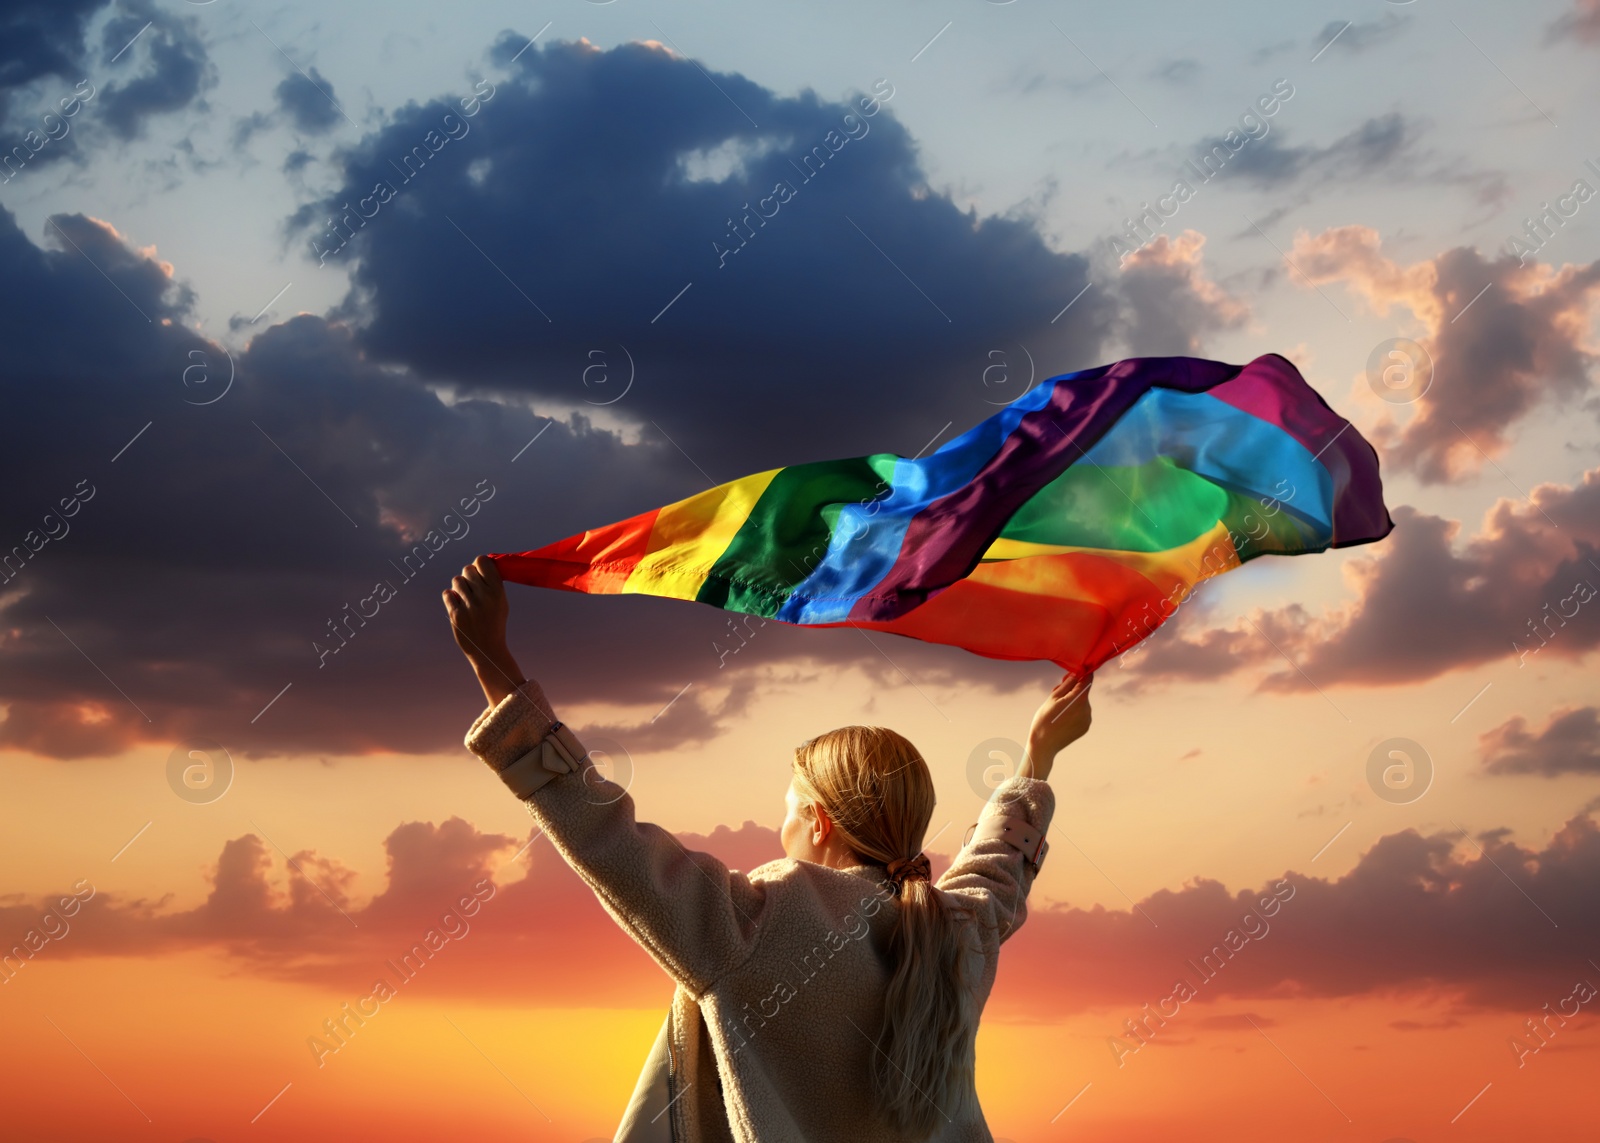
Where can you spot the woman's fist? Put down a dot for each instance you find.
(476, 603)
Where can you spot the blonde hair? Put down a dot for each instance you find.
(879, 792)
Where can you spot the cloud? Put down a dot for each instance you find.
(1439, 1024)
(828, 302)
(45, 48)
(347, 469)
(1355, 38)
(353, 434)
(1181, 71)
(1520, 347)
(544, 936)
(1568, 744)
(683, 721)
(156, 610)
(1232, 1021)
(1582, 23)
(1422, 607)
(308, 101)
(1268, 162)
(1171, 305)
(1418, 914)
(42, 39)
(1388, 146)
(310, 621)
(248, 127)
(179, 67)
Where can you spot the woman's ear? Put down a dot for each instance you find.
(822, 825)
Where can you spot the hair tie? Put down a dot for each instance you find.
(903, 869)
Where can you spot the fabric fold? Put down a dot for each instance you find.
(1067, 526)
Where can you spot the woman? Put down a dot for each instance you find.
(830, 996)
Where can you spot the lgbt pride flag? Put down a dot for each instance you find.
(1065, 527)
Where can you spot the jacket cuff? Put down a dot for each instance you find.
(518, 723)
(1019, 811)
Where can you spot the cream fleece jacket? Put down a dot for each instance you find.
(780, 971)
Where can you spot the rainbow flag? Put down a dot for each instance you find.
(1065, 527)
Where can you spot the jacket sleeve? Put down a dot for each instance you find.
(695, 917)
(992, 875)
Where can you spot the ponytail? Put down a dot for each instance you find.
(924, 1075)
(877, 789)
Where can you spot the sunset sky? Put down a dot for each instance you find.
(293, 291)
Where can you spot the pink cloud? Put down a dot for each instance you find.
(1504, 339)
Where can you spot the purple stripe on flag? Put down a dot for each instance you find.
(945, 541)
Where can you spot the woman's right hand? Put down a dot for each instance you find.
(1061, 720)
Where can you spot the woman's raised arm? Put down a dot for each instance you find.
(694, 915)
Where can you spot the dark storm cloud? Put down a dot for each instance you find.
(598, 186)
(1568, 744)
(178, 68)
(175, 549)
(235, 563)
(308, 101)
(42, 37)
(203, 566)
(138, 72)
